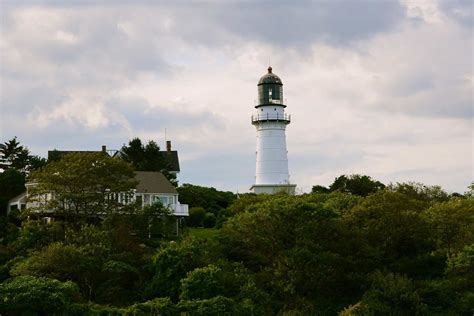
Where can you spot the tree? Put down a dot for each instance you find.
(209, 220)
(196, 216)
(452, 223)
(12, 183)
(87, 257)
(210, 199)
(225, 279)
(16, 163)
(320, 189)
(158, 306)
(147, 158)
(28, 295)
(171, 263)
(356, 184)
(419, 191)
(15, 156)
(219, 305)
(202, 283)
(392, 294)
(393, 233)
(296, 247)
(83, 185)
(152, 221)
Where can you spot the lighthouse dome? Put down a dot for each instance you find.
(270, 90)
(270, 78)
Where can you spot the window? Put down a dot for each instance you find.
(146, 198)
(139, 199)
(164, 200)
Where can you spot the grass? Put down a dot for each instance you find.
(203, 233)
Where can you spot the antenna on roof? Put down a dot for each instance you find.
(166, 138)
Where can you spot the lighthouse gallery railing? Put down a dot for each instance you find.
(271, 117)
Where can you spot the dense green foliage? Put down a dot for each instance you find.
(16, 163)
(354, 184)
(407, 249)
(17, 157)
(209, 207)
(36, 295)
(84, 184)
(147, 158)
(12, 183)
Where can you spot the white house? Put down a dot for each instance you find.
(18, 202)
(152, 187)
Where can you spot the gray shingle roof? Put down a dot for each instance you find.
(172, 158)
(153, 182)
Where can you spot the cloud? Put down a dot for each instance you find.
(378, 88)
(281, 23)
(461, 11)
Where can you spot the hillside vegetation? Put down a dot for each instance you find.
(402, 250)
(357, 247)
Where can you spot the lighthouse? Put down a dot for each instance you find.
(271, 174)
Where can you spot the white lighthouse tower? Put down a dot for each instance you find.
(271, 175)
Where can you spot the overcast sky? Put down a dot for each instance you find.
(382, 88)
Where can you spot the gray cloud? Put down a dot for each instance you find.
(302, 23)
(371, 91)
(461, 11)
(278, 22)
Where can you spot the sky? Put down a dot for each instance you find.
(382, 88)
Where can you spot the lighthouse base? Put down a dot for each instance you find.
(273, 188)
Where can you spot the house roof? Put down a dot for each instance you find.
(153, 182)
(58, 154)
(172, 158)
(17, 198)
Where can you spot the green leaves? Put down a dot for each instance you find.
(14, 156)
(37, 295)
(83, 184)
(452, 224)
(171, 264)
(202, 283)
(393, 252)
(355, 184)
(147, 158)
(392, 294)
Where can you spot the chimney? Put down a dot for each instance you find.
(168, 145)
(104, 148)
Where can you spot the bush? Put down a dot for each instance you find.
(392, 294)
(209, 220)
(159, 306)
(92, 309)
(219, 305)
(202, 283)
(171, 264)
(37, 295)
(196, 216)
